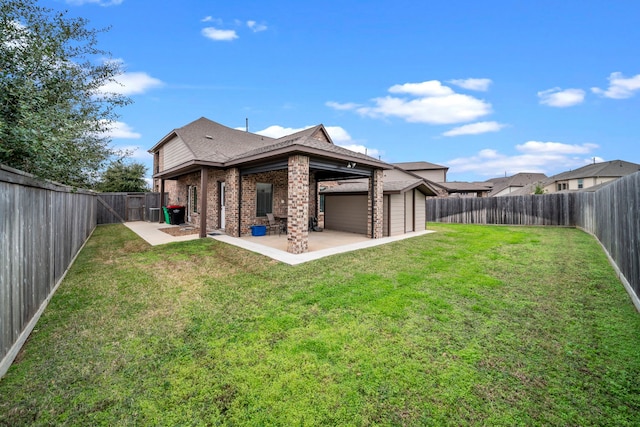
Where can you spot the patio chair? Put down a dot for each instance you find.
(274, 225)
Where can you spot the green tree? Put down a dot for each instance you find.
(53, 114)
(123, 177)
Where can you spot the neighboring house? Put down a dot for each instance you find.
(511, 184)
(586, 178)
(429, 171)
(466, 189)
(230, 179)
(344, 203)
(590, 175)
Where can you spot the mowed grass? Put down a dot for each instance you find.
(472, 325)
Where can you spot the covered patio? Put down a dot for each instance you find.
(230, 179)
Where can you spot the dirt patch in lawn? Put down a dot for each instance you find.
(179, 231)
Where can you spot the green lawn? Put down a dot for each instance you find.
(471, 325)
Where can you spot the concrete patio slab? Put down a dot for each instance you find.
(321, 244)
(340, 246)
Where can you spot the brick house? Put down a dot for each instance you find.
(230, 179)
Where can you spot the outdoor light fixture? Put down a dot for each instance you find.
(351, 165)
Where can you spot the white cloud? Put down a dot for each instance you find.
(542, 157)
(474, 129)
(546, 148)
(211, 19)
(219, 35)
(131, 84)
(359, 148)
(338, 134)
(276, 131)
(619, 86)
(135, 152)
(429, 88)
(473, 84)
(455, 108)
(98, 2)
(255, 27)
(121, 130)
(428, 102)
(557, 97)
(341, 106)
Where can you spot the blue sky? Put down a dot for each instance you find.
(486, 88)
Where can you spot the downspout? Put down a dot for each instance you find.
(162, 202)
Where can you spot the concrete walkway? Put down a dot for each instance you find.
(150, 232)
(321, 244)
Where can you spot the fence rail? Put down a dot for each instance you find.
(42, 228)
(612, 214)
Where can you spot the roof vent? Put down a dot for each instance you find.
(208, 136)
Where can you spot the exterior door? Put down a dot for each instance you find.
(222, 209)
(135, 207)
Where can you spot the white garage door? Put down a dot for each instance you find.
(345, 213)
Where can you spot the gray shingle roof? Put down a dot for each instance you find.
(414, 166)
(465, 186)
(214, 142)
(306, 139)
(211, 141)
(613, 168)
(363, 186)
(518, 180)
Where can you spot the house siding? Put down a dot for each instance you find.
(420, 210)
(396, 214)
(174, 153)
(408, 205)
(572, 184)
(437, 175)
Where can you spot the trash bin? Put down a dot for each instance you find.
(258, 230)
(165, 213)
(176, 214)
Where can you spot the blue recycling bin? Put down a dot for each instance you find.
(258, 230)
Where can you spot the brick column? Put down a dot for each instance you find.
(375, 205)
(232, 202)
(298, 205)
(204, 193)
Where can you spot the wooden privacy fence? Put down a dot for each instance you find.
(123, 207)
(612, 214)
(42, 228)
